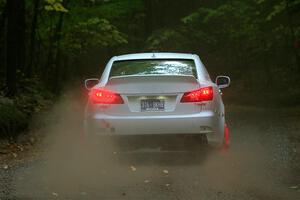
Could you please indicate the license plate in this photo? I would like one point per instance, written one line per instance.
(152, 105)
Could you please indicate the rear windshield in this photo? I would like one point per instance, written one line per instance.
(154, 67)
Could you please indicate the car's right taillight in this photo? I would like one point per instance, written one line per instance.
(101, 96)
(202, 94)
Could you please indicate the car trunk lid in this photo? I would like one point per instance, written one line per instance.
(153, 94)
(152, 84)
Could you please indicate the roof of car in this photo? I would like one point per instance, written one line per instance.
(138, 56)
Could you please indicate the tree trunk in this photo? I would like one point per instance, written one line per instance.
(15, 43)
(150, 17)
(30, 66)
(293, 35)
(3, 18)
(49, 60)
(58, 53)
(54, 55)
(3, 41)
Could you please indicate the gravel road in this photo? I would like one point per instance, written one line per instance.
(262, 163)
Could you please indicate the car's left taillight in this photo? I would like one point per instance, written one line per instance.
(101, 96)
(202, 94)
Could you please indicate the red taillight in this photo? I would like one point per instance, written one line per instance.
(100, 96)
(202, 94)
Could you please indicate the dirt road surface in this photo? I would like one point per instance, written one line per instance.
(262, 163)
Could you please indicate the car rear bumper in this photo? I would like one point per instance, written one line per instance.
(205, 122)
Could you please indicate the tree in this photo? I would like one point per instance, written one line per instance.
(52, 65)
(36, 5)
(15, 42)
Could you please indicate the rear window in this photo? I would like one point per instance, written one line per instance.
(154, 67)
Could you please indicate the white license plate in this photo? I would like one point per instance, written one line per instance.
(152, 105)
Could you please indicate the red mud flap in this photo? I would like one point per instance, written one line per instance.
(226, 142)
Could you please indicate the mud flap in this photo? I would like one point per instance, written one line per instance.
(226, 136)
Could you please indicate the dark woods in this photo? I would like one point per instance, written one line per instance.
(53, 41)
(15, 42)
(46, 44)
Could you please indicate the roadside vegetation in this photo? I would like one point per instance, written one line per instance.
(47, 44)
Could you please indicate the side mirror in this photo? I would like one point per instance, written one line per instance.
(90, 83)
(222, 81)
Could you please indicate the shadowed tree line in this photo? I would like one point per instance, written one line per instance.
(46, 44)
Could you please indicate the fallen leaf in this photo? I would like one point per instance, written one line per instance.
(133, 168)
(21, 148)
(54, 194)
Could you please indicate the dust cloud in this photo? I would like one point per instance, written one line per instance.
(73, 167)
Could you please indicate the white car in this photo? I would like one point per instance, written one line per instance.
(157, 94)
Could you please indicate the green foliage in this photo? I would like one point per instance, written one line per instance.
(277, 9)
(12, 120)
(16, 113)
(2, 3)
(164, 39)
(283, 6)
(233, 25)
(93, 33)
(250, 41)
(55, 5)
(114, 9)
(33, 97)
